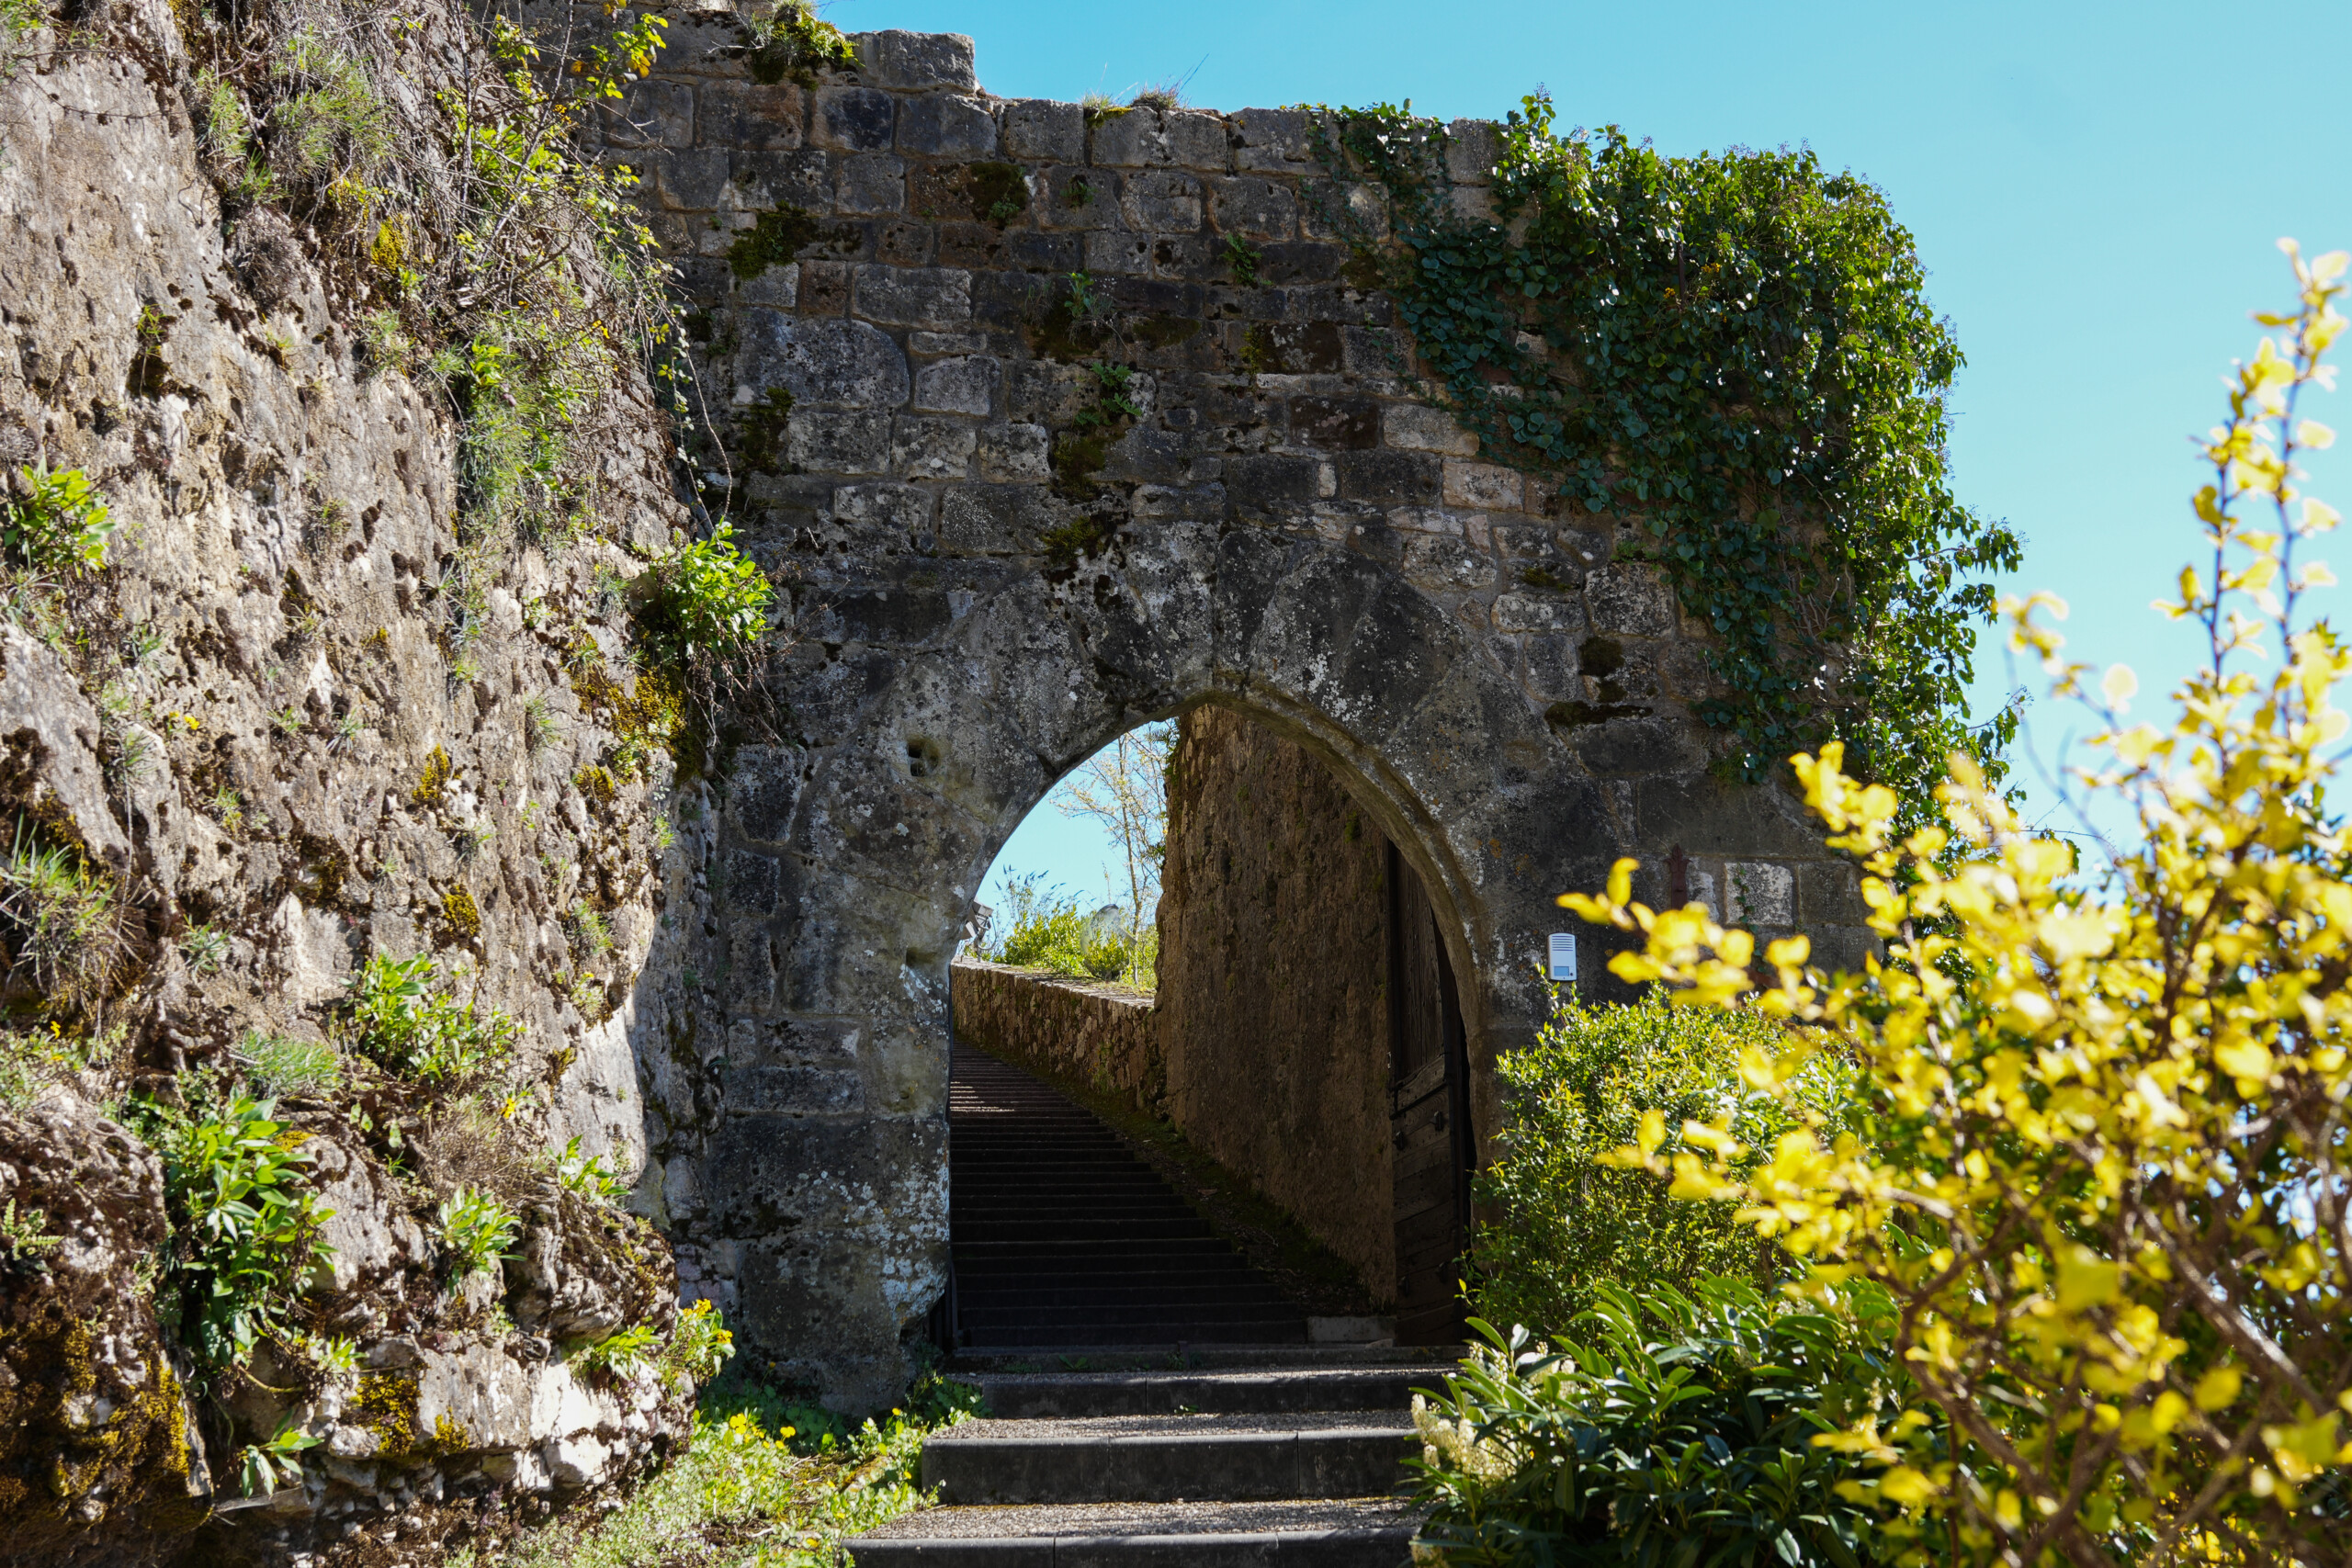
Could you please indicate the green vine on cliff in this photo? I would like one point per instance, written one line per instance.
(1732, 354)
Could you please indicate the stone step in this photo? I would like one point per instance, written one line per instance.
(1161, 1339)
(1429, 1361)
(1018, 1396)
(1353, 1533)
(1165, 1458)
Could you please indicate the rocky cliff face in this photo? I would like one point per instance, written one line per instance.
(298, 720)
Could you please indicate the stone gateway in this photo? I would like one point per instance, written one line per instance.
(1055, 421)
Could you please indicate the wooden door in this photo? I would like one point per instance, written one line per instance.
(1429, 1116)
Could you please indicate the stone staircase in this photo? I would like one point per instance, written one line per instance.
(1214, 1436)
(1063, 1238)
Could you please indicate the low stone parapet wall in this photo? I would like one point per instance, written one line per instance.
(1106, 1034)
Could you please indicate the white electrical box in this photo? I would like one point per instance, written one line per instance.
(1564, 958)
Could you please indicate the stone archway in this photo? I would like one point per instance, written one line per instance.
(1005, 546)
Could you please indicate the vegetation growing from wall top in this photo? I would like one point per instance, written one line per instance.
(1732, 353)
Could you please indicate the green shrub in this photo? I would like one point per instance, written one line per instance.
(704, 600)
(278, 1065)
(623, 1353)
(245, 1226)
(477, 1228)
(62, 526)
(1043, 928)
(1672, 1429)
(1570, 1217)
(412, 1029)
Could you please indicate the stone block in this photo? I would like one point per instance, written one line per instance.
(1272, 142)
(1323, 205)
(871, 185)
(1129, 139)
(1416, 427)
(1013, 452)
(957, 386)
(1257, 208)
(915, 61)
(1192, 258)
(1162, 201)
(1444, 564)
(1636, 747)
(1114, 251)
(1259, 482)
(1195, 138)
(1830, 893)
(1301, 261)
(1056, 254)
(973, 246)
(839, 441)
(653, 114)
(1195, 503)
(901, 510)
(1302, 348)
(1335, 424)
(946, 125)
(1473, 147)
(1388, 479)
(1631, 598)
(1076, 198)
(691, 180)
(935, 298)
(751, 116)
(1485, 486)
(770, 179)
(991, 519)
(1538, 612)
(924, 449)
(778, 286)
(1039, 130)
(824, 363)
(908, 245)
(852, 119)
(1760, 893)
(825, 288)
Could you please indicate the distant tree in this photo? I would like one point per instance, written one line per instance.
(1125, 787)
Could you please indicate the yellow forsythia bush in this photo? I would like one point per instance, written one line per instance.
(2106, 1175)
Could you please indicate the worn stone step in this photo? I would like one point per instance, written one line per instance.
(1431, 1361)
(1351, 1533)
(1033, 1312)
(1164, 1458)
(1161, 1338)
(1048, 1395)
(1114, 1291)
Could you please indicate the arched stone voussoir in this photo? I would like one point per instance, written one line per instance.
(1332, 633)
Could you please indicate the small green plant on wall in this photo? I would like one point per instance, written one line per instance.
(61, 527)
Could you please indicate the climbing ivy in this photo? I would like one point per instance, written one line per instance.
(1730, 352)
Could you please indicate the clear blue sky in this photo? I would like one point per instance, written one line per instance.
(2094, 190)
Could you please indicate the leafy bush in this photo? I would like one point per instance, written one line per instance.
(399, 1020)
(1043, 928)
(245, 1226)
(62, 526)
(32, 1059)
(477, 1228)
(1670, 1429)
(2108, 1178)
(704, 600)
(278, 1064)
(1572, 1217)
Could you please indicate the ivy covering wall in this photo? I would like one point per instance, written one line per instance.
(1733, 355)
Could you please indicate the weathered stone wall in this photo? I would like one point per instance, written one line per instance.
(995, 568)
(254, 723)
(1105, 1035)
(1274, 1002)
